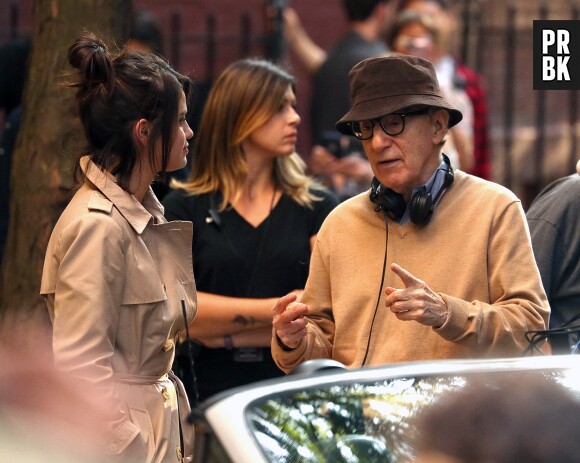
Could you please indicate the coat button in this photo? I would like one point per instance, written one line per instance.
(165, 394)
(178, 452)
(168, 345)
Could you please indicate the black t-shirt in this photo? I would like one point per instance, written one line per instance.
(233, 258)
(330, 94)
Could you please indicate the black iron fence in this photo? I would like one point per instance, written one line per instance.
(246, 40)
(11, 30)
(534, 133)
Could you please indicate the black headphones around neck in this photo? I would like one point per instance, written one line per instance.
(422, 203)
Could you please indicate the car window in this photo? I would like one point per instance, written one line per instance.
(357, 421)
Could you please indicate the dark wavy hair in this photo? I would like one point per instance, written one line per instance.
(114, 91)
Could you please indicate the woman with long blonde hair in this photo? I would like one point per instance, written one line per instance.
(255, 217)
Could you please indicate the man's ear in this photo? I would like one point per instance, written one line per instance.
(141, 131)
(440, 122)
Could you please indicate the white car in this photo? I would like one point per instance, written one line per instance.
(325, 413)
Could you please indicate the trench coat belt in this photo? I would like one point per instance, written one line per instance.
(187, 430)
(138, 379)
(182, 402)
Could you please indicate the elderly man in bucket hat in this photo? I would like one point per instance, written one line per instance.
(432, 263)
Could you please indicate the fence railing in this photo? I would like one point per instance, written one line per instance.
(12, 29)
(501, 52)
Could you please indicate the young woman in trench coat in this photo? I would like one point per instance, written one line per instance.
(117, 276)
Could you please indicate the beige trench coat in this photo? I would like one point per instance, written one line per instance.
(115, 275)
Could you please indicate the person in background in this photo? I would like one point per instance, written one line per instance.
(117, 277)
(455, 74)
(146, 35)
(14, 57)
(554, 221)
(502, 422)
(255, 217)
(13, 64)
(415, 34)
(348, 173)
(431, 263)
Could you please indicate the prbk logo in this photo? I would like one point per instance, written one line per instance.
(556, 55)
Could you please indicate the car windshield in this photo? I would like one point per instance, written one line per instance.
(359, 421)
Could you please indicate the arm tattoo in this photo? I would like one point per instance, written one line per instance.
(246, 321)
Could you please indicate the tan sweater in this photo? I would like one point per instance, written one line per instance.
(475, 253)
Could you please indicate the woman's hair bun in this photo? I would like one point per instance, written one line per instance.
(89, 55)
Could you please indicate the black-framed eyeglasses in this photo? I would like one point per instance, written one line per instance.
(392, 124)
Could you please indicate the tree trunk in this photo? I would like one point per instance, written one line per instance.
(49, 137)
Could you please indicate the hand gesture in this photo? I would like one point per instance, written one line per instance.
(288, 320)
(322, 162)
(355, 167)
(292, 24)
(416, 301)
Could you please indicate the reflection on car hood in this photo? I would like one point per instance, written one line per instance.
(354, 415)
